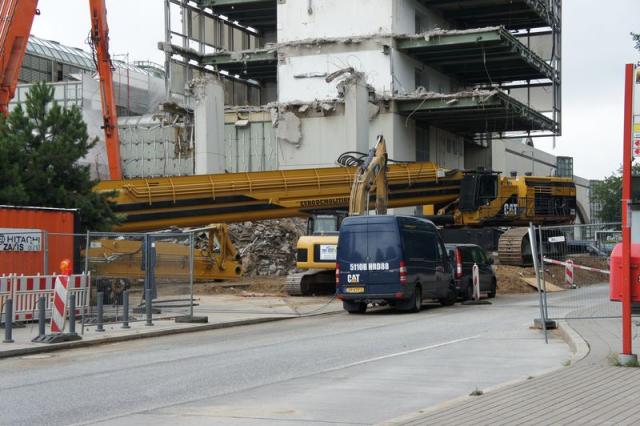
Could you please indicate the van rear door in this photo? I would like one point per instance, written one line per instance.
(384, 252)
(352, 257)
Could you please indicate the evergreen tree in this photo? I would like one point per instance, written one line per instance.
(39, 153)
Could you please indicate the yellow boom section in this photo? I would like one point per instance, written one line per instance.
(156, 203)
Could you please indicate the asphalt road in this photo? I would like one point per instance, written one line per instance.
(337, 369)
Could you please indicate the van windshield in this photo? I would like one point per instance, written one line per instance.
(368, 243)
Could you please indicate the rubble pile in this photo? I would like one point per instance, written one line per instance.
(267, 247)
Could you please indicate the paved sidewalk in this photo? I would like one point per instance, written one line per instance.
(589, 392)
(222, 311)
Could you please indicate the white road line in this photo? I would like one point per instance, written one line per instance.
(379, 358)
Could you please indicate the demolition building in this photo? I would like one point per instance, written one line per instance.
(462, 83)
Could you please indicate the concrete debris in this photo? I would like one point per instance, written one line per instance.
(267, 247)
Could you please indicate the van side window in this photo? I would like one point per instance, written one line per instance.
(441, 250)
(430, 244)
(413, 243)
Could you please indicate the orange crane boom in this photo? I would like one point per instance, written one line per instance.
(16, 19)
(100, 42)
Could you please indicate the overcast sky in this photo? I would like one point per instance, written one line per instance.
(596, 45)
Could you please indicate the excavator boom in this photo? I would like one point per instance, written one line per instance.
(100, 42)
(158, 203)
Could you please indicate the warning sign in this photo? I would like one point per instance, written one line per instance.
(15, 239)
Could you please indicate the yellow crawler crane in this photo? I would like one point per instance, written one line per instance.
(470, 202)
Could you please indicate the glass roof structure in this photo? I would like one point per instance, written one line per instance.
(71, 55)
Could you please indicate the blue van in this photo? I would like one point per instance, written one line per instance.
(400, 260)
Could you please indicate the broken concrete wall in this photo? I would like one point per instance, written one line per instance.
(303, 68)
(297, 19)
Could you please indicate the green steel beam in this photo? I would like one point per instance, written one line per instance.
(447, 39)
(475, 113)
(214, 3)
(478, 54)
(248, 57)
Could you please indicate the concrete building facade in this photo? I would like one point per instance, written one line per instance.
(460, 83)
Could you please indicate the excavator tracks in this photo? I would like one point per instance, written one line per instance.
(514, 248)
(310, 283)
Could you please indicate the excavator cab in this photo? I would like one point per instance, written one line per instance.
(478, 189)
(326, 223)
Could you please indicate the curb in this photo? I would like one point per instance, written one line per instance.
(116, 339)
(577, 344)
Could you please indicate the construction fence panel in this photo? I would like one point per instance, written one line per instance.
(160, 262)
(26, 290)
(573, 270)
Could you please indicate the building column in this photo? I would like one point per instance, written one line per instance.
(208, 110)
(356, 112)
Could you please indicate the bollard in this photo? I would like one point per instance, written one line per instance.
(72, 314)
(41, 316)
(125, 309)
(99, 326)
(8, 321)
(148, 302)
(475, 276)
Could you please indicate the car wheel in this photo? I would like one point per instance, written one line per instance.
(494, 287)
(416, 306)
(354, 307)
(451, 297)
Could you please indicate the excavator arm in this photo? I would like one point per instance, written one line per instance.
(371, 173)
(100, 43)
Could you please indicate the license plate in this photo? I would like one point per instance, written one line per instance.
(355, 289)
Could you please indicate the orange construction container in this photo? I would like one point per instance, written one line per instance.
(34, 240)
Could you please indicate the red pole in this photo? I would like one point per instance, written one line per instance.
(626, 213)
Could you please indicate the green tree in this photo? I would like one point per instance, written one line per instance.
(39, 153)
(636, 39)
(608, 192)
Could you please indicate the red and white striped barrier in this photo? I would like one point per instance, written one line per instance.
(475, 277)
(5, 293)
(568, 274)
(26, 290)
(59, 309)
(584, 268)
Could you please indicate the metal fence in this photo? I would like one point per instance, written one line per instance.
(572, 270)
(162, 263)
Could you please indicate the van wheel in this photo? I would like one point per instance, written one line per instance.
(451, 298)
(492, 293)
(354, 307)
(417, 300)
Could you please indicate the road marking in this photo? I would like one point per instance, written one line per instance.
(379, 358)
